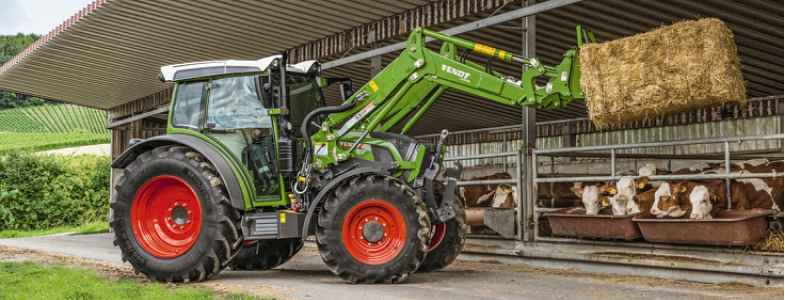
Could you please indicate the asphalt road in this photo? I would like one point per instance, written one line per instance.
(306, 277)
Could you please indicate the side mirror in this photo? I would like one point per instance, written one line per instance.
(346, 90)
(264, 90)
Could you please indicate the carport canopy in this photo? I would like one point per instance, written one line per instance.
(109, 53)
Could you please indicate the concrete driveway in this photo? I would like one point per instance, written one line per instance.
(306, 277)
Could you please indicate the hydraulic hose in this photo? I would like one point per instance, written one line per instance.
(313, 114)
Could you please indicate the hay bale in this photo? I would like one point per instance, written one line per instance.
(686, 66)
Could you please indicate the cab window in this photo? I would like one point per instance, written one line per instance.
(188, 105)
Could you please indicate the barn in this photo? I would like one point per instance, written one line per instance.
(108, 54)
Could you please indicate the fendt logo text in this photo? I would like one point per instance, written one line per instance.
(461, 74)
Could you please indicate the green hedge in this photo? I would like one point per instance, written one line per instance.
(39, 191)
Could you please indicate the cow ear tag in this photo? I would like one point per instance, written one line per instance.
(612, 192)
(683, 189)
(715, 197)
(605, 203)
(641, 185)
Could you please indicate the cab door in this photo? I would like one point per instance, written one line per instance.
(237, 120)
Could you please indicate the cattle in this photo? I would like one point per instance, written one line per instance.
(747, 193)
(707, 197)
(645, 200)
(591, 199)
(490, 195)
(623, 202)
(505, 196)
(482, 195)
(560, 190)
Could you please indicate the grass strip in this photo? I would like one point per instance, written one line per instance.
(89, 228)
(27, 280)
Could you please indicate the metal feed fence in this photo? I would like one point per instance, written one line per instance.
(585, 151)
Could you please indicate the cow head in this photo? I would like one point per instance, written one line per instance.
(620, 203)
(701, 203)
(641, 182)
(626, 185)
(590, 196)
(504, 188)
(679, 188)
(607, 189)
(669, 206)
(663, 190)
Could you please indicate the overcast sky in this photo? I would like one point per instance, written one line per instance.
(36, 16)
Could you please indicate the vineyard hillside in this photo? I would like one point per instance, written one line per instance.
(62, 118)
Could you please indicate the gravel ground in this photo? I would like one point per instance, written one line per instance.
(306, 277)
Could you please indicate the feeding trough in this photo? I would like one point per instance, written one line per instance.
(732, 228)
(574, 221)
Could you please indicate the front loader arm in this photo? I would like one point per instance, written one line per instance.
(416, 79)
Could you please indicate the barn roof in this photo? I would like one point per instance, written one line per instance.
(110, 53)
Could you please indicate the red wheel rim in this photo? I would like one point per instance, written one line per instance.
(374, 252)
(437, 235)
(166, 216)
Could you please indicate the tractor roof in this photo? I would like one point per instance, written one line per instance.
(224, 67)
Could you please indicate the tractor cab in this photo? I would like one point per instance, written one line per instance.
(233, 104)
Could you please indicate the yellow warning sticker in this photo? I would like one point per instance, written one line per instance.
(484, 49)
(373, 86)
(283, 218)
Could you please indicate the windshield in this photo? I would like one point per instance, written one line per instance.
(233, 105)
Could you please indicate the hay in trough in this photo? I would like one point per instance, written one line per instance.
(686, 66)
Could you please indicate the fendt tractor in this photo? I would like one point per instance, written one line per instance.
(253, 162)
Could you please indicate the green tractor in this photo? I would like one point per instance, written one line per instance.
(253, 162)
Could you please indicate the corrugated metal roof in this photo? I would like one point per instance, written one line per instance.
(110, 52)
(111, 55)
(757, 26)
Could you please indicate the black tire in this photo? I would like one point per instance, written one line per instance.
(218, 239)
(390, 194)
(454, 238)
(271, 253)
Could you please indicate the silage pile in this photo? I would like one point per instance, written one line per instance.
(686, 66)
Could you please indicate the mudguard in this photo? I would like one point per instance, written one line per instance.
(381, 170)
(211, 152)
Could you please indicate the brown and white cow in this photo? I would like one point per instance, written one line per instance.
(506, 196)
(488, 194)
(746, 193)
(591, 199)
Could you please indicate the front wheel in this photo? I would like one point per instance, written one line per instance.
(172, 217)
(373, 229)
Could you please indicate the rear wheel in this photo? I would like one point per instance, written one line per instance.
(373, 229)
(447, 238)
(265, 254)
(172, 217)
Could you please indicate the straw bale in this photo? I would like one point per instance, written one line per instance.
(682, 67)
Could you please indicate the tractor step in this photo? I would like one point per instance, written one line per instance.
(274, 225)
